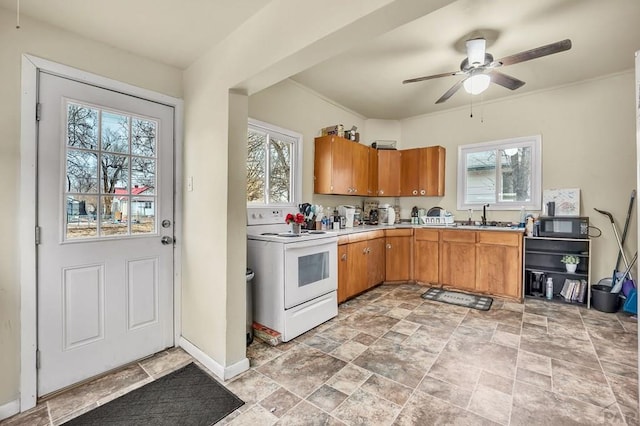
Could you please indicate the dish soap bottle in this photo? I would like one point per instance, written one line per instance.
(549, 288)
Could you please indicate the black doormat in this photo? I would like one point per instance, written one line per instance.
(188, 396)
(482, 303)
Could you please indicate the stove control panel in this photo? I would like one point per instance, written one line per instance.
(268, 215)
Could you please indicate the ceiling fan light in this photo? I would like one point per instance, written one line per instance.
(477, 83)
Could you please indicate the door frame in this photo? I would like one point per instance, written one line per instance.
(31, 65)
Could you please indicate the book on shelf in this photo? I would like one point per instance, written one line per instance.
(574, 290)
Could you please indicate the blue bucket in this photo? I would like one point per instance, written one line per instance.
(631, 305)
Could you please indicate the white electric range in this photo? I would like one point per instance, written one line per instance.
(296, 276)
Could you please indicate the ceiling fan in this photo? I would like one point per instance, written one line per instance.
(479, 68)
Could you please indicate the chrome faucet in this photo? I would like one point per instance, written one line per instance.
(484, 214)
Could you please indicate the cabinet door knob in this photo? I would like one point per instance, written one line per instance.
(422, 192)
(343, 257)
(364, 250)
(381, 192)
(388, 245)
(415, 192)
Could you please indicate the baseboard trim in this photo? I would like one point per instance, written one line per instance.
(9, 409)
(223, 373)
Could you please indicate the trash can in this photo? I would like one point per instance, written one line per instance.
(250, 276)
(603, 300)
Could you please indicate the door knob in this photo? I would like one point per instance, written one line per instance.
(166, 240)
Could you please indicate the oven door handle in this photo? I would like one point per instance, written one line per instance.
(311, 243)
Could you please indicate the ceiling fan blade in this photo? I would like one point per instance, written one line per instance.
(538, 52)
(429, 77)
(450, 92)
(505, 80)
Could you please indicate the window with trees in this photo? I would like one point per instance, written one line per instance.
(274, 175)
(111, 165)
(506, 174)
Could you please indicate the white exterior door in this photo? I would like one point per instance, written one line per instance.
(105, 215)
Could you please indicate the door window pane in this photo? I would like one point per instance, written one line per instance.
(143, 175)
(82, 126)
(115, 132)
(143, 139)
(82, 171)
(81, 217)
(143, 215)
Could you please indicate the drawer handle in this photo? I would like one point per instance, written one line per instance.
(343, 257)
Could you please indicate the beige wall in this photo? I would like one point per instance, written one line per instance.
(588, 142)
(66, 48)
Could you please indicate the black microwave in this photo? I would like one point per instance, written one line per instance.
(563, 227)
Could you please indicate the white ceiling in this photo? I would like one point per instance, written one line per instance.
(173, 32)
(368, 79)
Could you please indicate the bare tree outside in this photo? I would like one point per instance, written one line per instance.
(269, 161)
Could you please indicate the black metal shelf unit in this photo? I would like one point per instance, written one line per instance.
(542, 257)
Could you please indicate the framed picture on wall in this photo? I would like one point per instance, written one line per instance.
(567, 201)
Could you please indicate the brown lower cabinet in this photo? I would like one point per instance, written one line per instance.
(361, 263)
(459, 259)
(426, 256)
(398, 254)
(477, 261)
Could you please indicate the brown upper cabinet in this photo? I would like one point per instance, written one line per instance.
(344, 167)
(341, 167)
(389, 162)
(422, 172)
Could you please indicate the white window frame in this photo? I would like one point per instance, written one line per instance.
(296, 157)
(534, 142)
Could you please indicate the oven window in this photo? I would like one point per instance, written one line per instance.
(313, 268)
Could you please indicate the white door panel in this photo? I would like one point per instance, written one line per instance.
(105, 185)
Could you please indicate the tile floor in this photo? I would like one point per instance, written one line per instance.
(392, 358)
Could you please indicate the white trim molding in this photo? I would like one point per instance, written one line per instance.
(9, 409)
(223, 373)
(31, 65)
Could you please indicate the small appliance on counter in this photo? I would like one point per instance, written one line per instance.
(348, 212)
(386, 214)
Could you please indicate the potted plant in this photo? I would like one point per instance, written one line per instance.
(295, 221)
(570, 262)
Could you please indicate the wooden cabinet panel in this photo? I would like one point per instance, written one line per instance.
(410, 172)
(341, 165)
(322, 175)
(372, 187)
(398, 258)
(375, 262)
(432, 162)
(357, 268)
(426, 265)
(459, 264)
(497, 272)
(389, 162)
(343, 273)
(459, 236)
(500, 237)
(359, 168)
